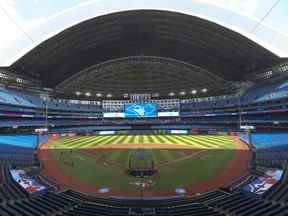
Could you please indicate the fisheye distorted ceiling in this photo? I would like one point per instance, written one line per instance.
(197, 42)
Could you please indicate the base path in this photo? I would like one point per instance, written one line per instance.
(237, 167)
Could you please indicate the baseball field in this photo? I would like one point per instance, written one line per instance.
(100, 164)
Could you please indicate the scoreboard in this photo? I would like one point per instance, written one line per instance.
(141, 110)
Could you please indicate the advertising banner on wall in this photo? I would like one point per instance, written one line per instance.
(26, 182)
(179, 131)
(114, 115)
(263, 183)
(107, 132)
(168, 114)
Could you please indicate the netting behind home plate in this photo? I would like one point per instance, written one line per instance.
(141, 164)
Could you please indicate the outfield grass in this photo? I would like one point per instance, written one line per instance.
(177, 167)
(202, 142)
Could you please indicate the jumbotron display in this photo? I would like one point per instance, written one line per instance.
(141, 110)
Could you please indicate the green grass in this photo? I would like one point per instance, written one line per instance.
(183, 169)
(208, 142)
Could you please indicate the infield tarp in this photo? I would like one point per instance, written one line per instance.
(27, 183)
(263, 183)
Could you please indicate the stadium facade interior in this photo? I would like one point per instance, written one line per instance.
(144, 112)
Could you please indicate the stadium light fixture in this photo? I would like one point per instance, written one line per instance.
(88, 94)
(109, 95)
(204, 90)
(99, 95)
(194, 91)
(78, 93)
(182, 93)
(171, 94)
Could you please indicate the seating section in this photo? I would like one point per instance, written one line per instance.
(9, 190)
(178, 206)
(264, 92)
(213, 203)
(24, 109)
(18, 149)
(29, 100)
(266, 140)
(271, 149)
(25, 141)
(274, 156)
(8, 97)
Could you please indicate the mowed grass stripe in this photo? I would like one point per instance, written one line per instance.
(82, 139)
(187, 141)
(222, 137)
(193, 142)
(131, 139)
(124, 140)
(141, 139)
(212, 143)
(113, 141)
(65, 140)
(83, 142)
(173, 140)
(204, 140)
(108, 141)
(95, 142)
(146, 139)
(153, 139)
(227, 141)
(121, 140)
(68, 140)
(213, 136)
(136, 139)
(162, 139)
(224, 145)
(220, 142)
(118, 140)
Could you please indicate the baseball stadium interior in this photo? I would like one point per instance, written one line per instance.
(144, 112)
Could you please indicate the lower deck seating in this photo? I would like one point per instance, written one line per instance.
(241, 204)
(48, 204)
(262, 141)
(9, 190)
(214, 203)
(180, 206)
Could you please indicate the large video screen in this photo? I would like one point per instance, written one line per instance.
(147, 110)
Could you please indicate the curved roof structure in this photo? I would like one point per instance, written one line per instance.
(142, 74)
(29, 38)
(82, 39)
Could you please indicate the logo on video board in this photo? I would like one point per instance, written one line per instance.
(140, 110)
